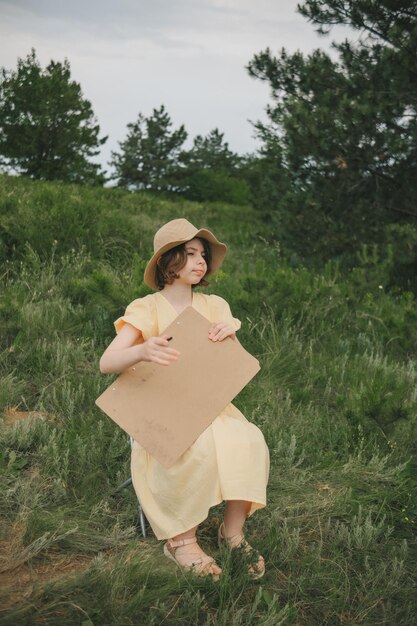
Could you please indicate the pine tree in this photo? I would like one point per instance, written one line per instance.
(343, 130)
(47, 128)
(149, 157)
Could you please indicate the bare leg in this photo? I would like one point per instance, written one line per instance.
(235, 515)
(231, 531)
(187, 535)
(187, 554)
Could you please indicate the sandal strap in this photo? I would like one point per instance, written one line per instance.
(235, 540)
(238, 541)
(201, 561)
(198, 565)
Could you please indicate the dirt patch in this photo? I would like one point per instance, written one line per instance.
(18, 583)
(11, 416)
(18, 576)
(20, 570)
(325, 487)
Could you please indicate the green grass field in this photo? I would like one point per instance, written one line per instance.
(336, 399)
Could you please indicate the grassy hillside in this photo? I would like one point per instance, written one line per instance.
(336, 399)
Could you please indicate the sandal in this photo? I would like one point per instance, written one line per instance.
(199, 566)
(255, 569)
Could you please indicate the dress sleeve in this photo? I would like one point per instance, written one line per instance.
(220, 312)
(141, 313)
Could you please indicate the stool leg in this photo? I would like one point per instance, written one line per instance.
(142, 521)
(123, 485)
(141, 516)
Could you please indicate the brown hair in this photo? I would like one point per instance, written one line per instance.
(174, 260)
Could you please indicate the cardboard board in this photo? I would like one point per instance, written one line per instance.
(166, 408)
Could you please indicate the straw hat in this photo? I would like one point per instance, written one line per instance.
(173, 234)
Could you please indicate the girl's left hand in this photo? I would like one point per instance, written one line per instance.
(220, 330)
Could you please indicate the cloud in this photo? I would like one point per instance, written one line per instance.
(134, 55)
(171, 24)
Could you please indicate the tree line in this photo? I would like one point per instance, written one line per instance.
(48, 131)
(337, 166)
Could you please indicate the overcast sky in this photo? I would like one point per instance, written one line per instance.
(131, 56)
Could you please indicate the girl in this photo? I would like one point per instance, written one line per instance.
(230, 460)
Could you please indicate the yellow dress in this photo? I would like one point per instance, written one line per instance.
(228, 461)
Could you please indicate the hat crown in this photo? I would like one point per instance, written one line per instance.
(174, 233)
(175, 230)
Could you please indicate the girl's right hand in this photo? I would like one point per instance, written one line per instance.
(157, 350)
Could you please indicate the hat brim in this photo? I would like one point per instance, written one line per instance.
(218, 252)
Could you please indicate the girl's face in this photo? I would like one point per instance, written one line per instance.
(196, 266)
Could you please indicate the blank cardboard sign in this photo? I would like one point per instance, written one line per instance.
(165, 408)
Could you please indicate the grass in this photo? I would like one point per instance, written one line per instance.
(336, 399)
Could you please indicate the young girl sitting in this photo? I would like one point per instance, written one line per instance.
(229, 460)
